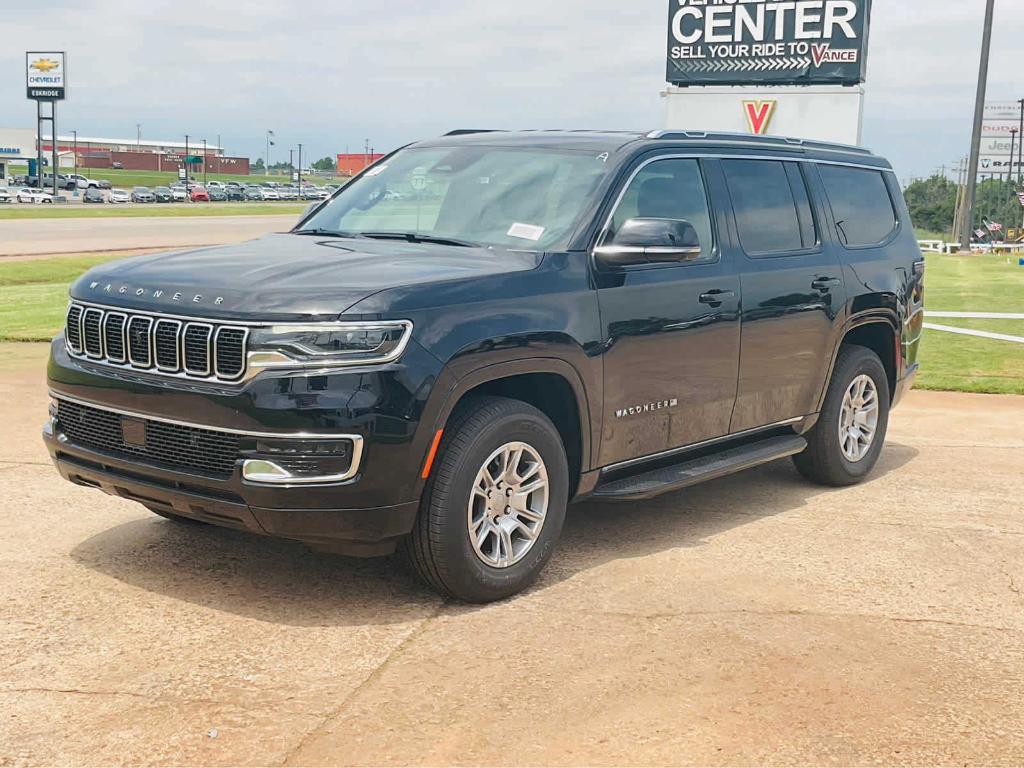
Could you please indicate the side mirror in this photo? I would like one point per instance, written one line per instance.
(650, 241)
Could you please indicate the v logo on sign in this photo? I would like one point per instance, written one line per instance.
(759, 115)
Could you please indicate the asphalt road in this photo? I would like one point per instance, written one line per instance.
(29, 237)
(755, 619)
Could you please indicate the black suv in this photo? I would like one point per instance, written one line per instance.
(482, 328)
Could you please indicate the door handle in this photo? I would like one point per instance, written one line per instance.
(825, 284)
(716, 297)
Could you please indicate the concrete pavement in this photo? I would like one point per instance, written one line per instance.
(42, 237)
(755, 619)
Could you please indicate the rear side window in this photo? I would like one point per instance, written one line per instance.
(773, 212)
(861, 204)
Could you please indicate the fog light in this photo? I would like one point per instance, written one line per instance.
(303, 461)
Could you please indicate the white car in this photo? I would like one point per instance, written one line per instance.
(266, 193)
(82, 182)
(5, 196)
(29, 195)
(179, 193)
(119, 196)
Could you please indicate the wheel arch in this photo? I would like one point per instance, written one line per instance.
(551, 385)
(879, 332)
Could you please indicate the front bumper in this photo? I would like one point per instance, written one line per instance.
(360, 512)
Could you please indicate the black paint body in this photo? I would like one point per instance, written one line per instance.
(618, 339)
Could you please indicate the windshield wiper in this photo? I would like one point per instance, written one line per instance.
(415, 237)
(320, 232)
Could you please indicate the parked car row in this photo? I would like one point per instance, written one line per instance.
(214, 191)
(64, 181)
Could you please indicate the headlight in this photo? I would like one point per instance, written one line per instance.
(328, 345)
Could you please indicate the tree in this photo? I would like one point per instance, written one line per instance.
(258, 165)
(932, 203)
(324, 164)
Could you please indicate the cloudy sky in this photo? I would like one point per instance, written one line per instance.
(331, 74)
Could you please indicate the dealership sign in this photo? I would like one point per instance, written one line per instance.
(764, 42)
(45, 75)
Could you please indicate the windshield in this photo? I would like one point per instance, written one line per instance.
(492, 196)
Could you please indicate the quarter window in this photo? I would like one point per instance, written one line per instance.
(669, 189)
(773, 211)
(861, 204)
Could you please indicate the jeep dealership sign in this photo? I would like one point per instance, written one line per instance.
(45, 76)
(767, 42)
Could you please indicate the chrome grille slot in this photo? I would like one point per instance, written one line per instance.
(91, 338)
(195, 348)
(113, 336)
(229, 352)
(170, 346)
(140, 345)
(73, 328)
(165, 344)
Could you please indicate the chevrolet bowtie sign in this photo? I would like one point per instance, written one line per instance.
(767, 42)
(45, 75)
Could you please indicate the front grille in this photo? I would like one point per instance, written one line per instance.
(198, 350)
(173, 446)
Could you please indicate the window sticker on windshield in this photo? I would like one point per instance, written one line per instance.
(526, 231)
(375, 170)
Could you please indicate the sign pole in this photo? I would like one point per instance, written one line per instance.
(54, 146)
(979, 115)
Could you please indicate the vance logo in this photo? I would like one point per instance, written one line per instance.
(824, 53)
(759, 115)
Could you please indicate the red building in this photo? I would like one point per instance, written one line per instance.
(350, 165)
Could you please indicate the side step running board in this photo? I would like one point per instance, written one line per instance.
(647, 485)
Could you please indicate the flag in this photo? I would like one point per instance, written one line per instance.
(979, 232)
(994, 226)
(1020, 196)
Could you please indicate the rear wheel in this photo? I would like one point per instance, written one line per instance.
(844, 445)
(495, 503)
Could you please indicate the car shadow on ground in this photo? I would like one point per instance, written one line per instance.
(285, 583)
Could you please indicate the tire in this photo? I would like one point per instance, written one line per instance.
(825, 461)
(440, 548)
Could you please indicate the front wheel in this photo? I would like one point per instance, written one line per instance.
(843, 447)
(494, 506)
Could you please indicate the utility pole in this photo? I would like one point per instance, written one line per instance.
(1013, 144)
(75, 150)
(1020, 146)
(979, 114)
(184, 164)
(366, 154)
(138, 137)
(204, 162)
(300, 169)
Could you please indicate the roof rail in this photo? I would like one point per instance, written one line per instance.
(466, 131)
(764, 141)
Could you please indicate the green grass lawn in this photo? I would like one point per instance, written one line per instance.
(33, 297)
(975, 283)
(152, 210)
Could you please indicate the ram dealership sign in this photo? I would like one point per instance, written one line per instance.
(45, 75)
(767, 42)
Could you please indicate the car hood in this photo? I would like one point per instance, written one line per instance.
(285, 276)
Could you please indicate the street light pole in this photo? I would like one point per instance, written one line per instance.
(75, 150)
(979, 114)
(300, 169)
(204, 162)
